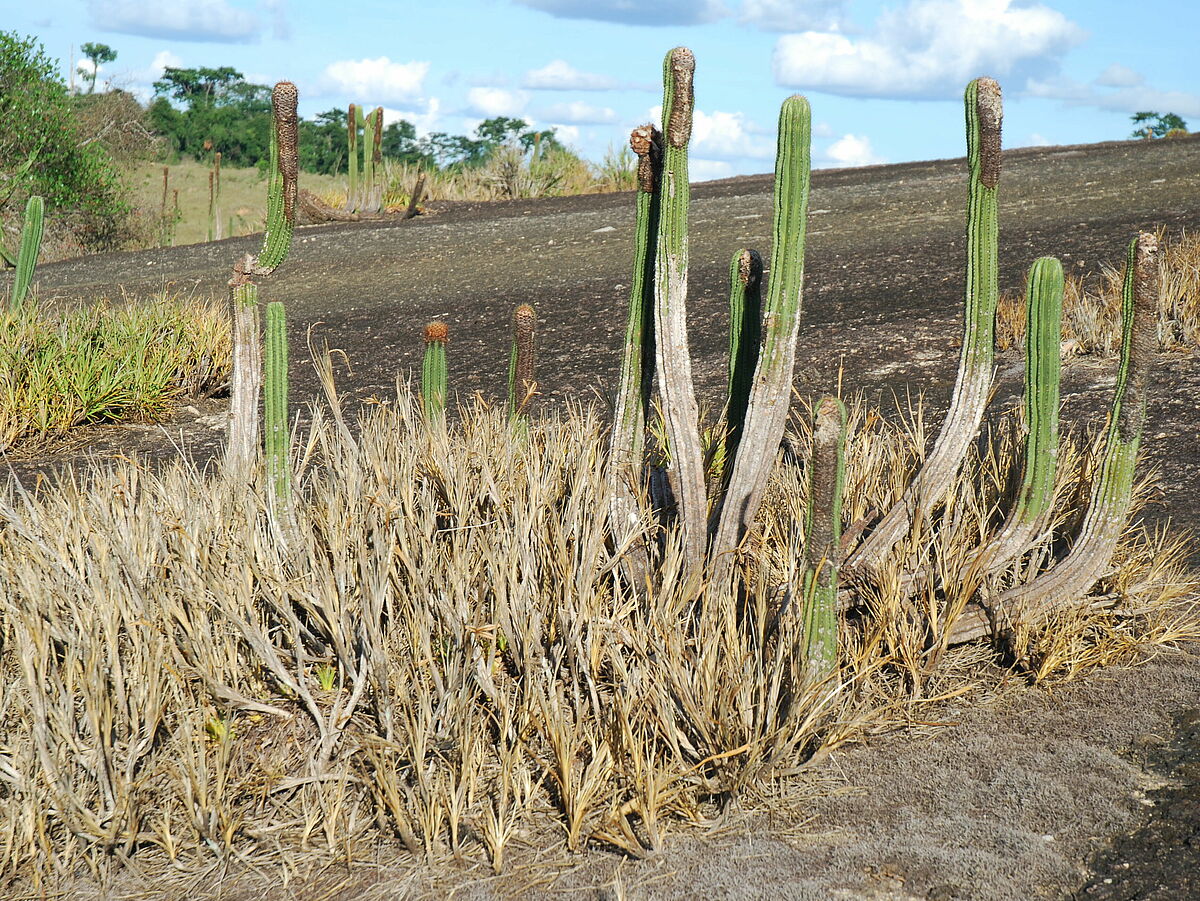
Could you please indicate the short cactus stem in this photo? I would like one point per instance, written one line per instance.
(352, 157)
(745, 336)
(521, 384)
(31, 246)
(276, 435)
(972, 387)
(246, 375)
(822, 537)
(433, 371)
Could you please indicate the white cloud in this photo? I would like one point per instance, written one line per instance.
(634, 12)
(929, 49)
(580, 113)
(490, 102)
(707, 170)
(1036, 140)
(823, 130)
(852, 150)
(567, 134)
(376, 80)
(559, 75)
(180, 20)
(281, 28)
(794, 15)
(721, 135)
(424, 122)
(1118, 76)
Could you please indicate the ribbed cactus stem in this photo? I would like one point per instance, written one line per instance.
(216, 205)
(822, 538)
(520, 363)
(984, 113)
(352, 156)
(771, 392)
(1091, 554)
(31, 246)
(377, 174)
(283, 185)
(1043, 338)
(276, 436)
(433, 370)
(674, 360)
(245, 376)
(745, 337)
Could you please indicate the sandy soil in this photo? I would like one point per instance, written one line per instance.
(1032, 795)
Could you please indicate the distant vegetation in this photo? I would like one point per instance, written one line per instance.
(1158, 125)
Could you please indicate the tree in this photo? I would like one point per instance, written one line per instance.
(99, 54)
(1157, 125)
(221, 111)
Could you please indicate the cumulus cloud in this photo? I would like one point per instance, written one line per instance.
(491, 102)
(633, 12)
(707, 170)
(726, 136)
(1117, 89)
(794, 15)
(380, 79)
(424, 121)
(560, 75)
(567, 134)
(579, 113)
(180, 20)
(929, 49)
(852, 150)
(1118, 76)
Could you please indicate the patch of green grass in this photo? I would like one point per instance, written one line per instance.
(243, 200)
(60, 368)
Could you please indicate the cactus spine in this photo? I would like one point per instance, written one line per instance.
(433, 370)
(276, 436)
(246, 376)
(520, 363)
(822, 537)
(770, 395)
(31, 246)
(984, 113)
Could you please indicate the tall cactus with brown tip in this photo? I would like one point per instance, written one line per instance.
(984, 113)
(352, 126)
(246, 375)
(433, 371)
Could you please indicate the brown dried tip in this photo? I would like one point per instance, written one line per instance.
(283, 100)
(750, 268)
(646, 142)
(989, 107)
(524, 315)
(437, 331)
(1144, 337)
(683, 67)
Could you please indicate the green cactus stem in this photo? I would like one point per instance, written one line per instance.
(276, 436)
(822, 538)
(352, 156)
(628, 439)
(31, 246)
(373, 161)
(433, 371)
(770, 395)
(673, 357)
(1069, 581)
(984, 113)
(246, 375)
(745, 338)
(1043, 338)
(521, 384)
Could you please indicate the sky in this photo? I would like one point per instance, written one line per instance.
(885, 79)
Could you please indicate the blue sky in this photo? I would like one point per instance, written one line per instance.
(884, 78)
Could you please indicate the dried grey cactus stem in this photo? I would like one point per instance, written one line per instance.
(246, 377)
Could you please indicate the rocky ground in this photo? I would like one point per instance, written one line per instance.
(1091, 789)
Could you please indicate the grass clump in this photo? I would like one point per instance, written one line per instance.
(1091, 320)
(444, 661)
(61, 368)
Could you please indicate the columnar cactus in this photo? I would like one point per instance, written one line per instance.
(520, 363)
(984, 113)
(433, 370)
(352, 156)
(246, 377)
(627, 444)
(31, 246)
(822, 539)
(276, 435)
(214, 199)
(745, 336)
